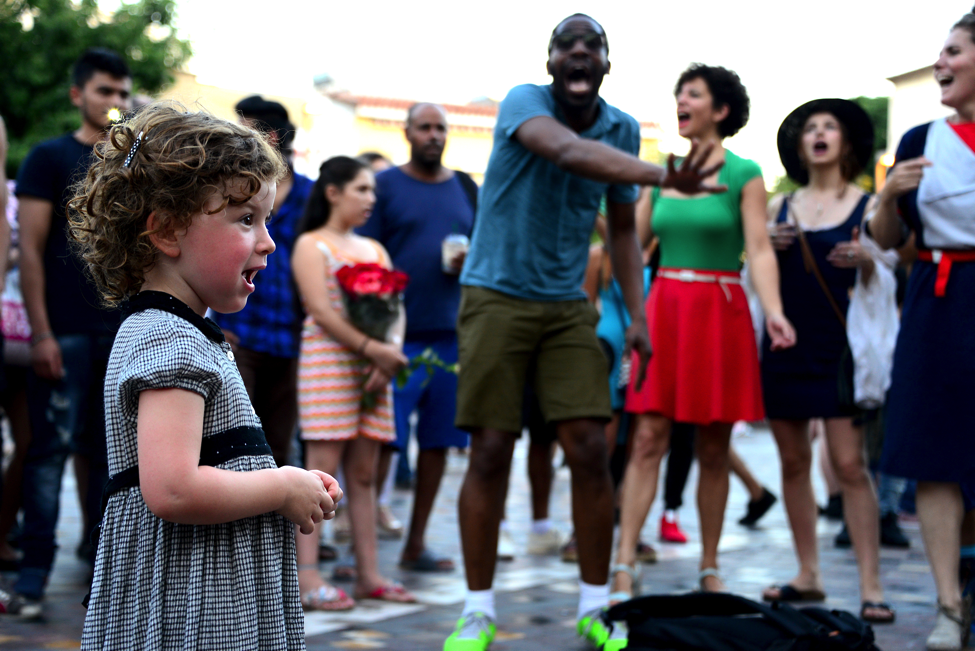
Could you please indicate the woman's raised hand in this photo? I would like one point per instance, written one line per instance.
(306, 498)
(388, 358)
(690, 176)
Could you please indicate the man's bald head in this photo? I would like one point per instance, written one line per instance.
(413, 110)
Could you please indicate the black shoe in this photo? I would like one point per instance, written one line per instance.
(834, 508)
(891, 534)
(758, 508)
(842, 539)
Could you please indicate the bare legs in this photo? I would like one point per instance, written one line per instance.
(481, 501)
(540, 477)
(584, 445)
(430, 466)
(848, 459)
(650, 441)
(795, 453)
(359, 457)
(940, 511)
(712, 494)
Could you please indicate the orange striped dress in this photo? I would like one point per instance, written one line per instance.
(331, 376)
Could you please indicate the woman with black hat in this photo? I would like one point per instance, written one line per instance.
(824, 145)
(931, 191)
(704, 369)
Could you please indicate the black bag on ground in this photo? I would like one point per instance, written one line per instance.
(725, 622)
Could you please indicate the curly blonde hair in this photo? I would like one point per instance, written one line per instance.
(182, 157)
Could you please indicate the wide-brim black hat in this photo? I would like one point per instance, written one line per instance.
(856, 122)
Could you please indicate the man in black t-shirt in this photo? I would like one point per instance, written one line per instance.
(71, 334)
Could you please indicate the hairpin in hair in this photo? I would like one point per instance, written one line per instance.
(135, 148)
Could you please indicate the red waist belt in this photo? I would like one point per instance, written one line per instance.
(944, 260)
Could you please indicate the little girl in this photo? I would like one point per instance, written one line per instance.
(196, 550)
(338, 363)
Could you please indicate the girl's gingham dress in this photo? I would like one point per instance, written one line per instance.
(160, 585)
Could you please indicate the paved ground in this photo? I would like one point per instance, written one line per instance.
(537, 596)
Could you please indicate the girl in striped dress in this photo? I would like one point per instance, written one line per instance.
(338, 365)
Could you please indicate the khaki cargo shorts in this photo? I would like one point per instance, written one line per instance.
(503, 340)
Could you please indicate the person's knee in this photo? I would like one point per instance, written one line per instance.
(490, 458)
(361, 476)
(586, 455)
(712, 456)
(850, 470)
(796, 463)
(649, 445)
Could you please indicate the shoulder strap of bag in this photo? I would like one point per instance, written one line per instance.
(470, 187)
(809, 261)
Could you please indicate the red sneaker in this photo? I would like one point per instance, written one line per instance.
(670, 530)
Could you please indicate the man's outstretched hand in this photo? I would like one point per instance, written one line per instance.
(689, 177)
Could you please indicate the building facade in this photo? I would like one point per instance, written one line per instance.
(331, 123)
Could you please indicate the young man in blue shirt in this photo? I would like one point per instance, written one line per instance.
(557, 150)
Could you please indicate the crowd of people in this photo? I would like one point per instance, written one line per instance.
(195, 349)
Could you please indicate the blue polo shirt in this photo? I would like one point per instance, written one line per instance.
(534, 221)
(271, 321)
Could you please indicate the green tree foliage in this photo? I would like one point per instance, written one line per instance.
(783, 185)
(40, 41)
(876, 108)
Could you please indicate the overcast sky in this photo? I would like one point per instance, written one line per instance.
(785, 52)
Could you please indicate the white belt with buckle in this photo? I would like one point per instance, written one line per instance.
(691, 276)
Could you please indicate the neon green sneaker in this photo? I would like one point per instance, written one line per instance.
(602, 635)
(474, 632)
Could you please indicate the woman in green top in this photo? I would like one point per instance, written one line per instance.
(704, 369)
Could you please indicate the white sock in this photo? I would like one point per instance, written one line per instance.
(541, 526)
(504, 526)
(480, 601)
(592, 597)
(670, 516)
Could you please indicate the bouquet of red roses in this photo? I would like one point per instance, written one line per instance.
(371, 294)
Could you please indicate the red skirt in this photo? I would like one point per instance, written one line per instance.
(704, 367)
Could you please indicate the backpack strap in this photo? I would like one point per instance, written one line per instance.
(470, 188)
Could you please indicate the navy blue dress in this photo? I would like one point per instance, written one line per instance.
(804, 381)
(929, 431)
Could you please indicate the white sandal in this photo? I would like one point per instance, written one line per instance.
(634, 574)
(948, 633)
(705, 573)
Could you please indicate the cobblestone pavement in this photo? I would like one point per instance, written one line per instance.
(537, 596)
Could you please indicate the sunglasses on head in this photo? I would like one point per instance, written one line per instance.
(566, 40)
